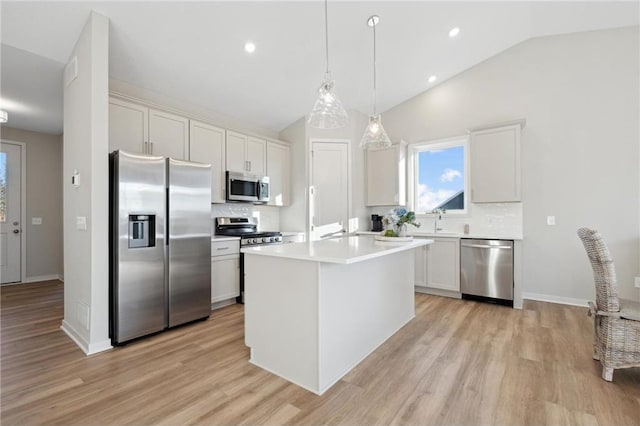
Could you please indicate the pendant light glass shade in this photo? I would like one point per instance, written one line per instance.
(374, 135)
(328, 111)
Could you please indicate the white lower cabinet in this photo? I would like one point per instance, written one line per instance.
(225, 270)
(421, 267)
(437, 266)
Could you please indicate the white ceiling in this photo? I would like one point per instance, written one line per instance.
(193, 51)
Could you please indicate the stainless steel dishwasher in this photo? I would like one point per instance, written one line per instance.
(486, 270)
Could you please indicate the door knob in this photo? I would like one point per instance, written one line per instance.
(16, 231)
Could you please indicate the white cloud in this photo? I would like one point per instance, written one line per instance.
(429, 199)
(449, 175)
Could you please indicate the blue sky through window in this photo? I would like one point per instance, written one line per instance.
(440, 176)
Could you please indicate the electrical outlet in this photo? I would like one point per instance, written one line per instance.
(551, 220)
(637, 282)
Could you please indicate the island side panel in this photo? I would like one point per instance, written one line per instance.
(361, 305)
(281, 317)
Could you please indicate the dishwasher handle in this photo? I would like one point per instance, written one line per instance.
(486, 246)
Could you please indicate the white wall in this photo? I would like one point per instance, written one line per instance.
(85, 149)
(44, 200)
(300, 135)
(294, 216)
(580, 149)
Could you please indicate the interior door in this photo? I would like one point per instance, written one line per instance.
(329, 189)
(10, 212)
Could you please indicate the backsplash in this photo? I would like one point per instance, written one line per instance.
(492, 219)
(268, 217)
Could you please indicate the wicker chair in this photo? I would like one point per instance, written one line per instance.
(616, 321)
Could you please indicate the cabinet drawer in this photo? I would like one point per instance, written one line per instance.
(222, 248)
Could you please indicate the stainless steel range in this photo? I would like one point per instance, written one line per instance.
(247, 229)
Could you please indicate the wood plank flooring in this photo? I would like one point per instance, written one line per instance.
(457, 362)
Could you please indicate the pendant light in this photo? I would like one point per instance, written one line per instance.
(328, 112)
(374, 135)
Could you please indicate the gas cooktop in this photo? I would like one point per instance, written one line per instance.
(247, 229)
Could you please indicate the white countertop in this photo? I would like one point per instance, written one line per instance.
(291, 233)
(224, 238)
(453, 235)
(343, 250)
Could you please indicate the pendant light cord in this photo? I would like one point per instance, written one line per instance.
(374, 68)
(326, 34)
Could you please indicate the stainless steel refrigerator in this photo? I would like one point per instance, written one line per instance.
(160, 247)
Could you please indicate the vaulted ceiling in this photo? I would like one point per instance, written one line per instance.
(194, 51)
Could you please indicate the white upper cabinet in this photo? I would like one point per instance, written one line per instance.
(168, 135)
(257, 156)
(128, 126)
(495, 163)
(278, 171)
(386, 176)
(207, 145)
(236, 152)
(246, 154)
(136, 128)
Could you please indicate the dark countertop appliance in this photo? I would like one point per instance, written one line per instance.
(247, 229)
(376, 222)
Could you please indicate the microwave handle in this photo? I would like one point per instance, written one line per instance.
(258, 188)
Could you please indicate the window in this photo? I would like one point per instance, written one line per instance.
(439, 176)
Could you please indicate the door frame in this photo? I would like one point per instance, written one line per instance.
(310, 175)
(23, 207)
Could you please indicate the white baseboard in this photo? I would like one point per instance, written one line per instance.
(555, 299)
(98, 347)
(38, 278)
(75, 336)
(86, 347)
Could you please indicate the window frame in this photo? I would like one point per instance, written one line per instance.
(412, 175)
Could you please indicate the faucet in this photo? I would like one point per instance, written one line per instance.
(438, 212)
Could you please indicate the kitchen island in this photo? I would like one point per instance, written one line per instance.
(314, 310)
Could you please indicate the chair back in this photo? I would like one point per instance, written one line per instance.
(604, 272)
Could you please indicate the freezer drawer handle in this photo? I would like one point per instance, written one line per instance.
(486, 246)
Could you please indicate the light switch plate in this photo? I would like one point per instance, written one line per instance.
(36, 221)
(551, 220)
(81, 223)
(637, 282)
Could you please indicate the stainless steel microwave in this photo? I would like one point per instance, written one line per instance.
(248, 188)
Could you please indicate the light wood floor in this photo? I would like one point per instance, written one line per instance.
(457, 362)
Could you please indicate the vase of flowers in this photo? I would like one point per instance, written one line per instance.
(396, 222)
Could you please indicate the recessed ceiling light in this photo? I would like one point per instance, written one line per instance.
(432, 79)
(249, 47)
(454, 32)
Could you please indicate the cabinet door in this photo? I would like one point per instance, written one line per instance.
(421, 266)
(256, 156)
(225, 277)
(236, 155)
(207, 145)
(168, 135)
(278, 165)
(443, 264)
(495, 165)
(386, 176)
(128, 124)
